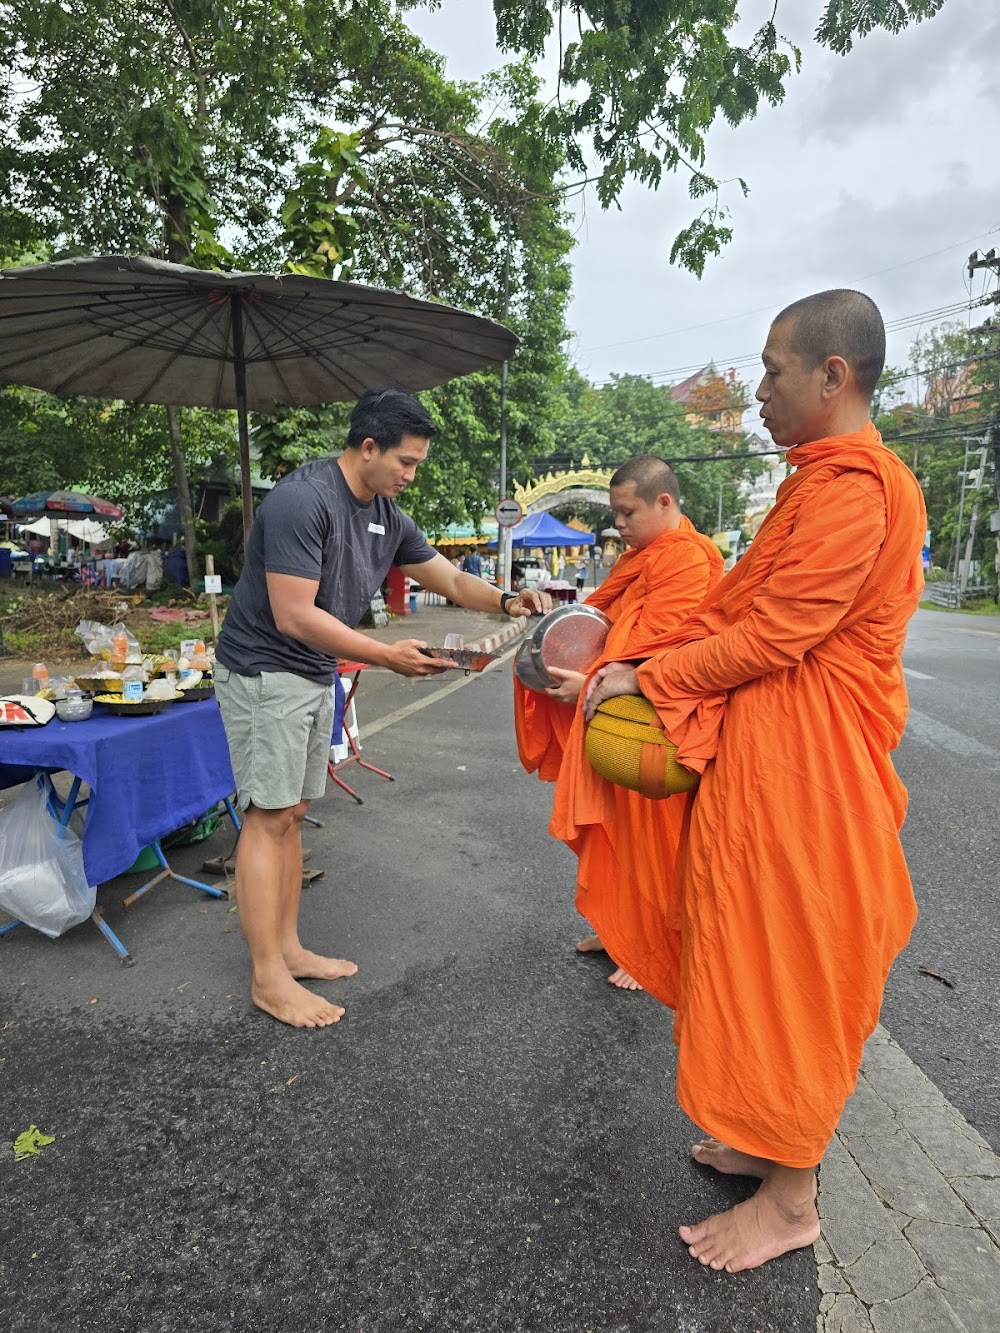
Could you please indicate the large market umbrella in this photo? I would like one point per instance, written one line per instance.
(148, 331)
(61, 502)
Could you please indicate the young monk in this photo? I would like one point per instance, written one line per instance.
(785, 691)
(664, 575)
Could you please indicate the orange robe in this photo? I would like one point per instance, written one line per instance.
(634, 842)
(792, 894)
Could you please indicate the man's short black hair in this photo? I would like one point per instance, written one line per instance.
(385, 416)
(651, 477)
(840, 322)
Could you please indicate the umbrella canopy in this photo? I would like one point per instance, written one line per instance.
(62, 502)
(83, 529)
(149, 331)
(542, 529)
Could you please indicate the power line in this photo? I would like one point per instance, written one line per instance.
(763, 310)
(747, 359)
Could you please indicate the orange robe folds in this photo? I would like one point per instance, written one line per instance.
(626, 851)
(792, 894)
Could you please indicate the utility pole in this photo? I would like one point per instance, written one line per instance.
(503, 534)
(991, 261)
(957, 567)
(973, 523)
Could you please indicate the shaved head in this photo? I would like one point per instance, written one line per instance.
(840, 323)
(651, 477)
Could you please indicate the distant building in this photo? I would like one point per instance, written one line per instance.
(950, 394)
(711, 400)
(763, 490)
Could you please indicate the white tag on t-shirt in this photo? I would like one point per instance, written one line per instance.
(376, 527)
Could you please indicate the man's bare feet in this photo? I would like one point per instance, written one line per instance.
(711, 1152)
(776, 1220)
(620, 978)
(304, 963)
(591, 944)
(291, 1003)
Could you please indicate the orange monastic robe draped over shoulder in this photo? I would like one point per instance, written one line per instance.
(634, 841)
(786, 691)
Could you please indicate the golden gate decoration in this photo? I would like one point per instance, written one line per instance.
(589, 483)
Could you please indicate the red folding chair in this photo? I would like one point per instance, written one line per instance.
(352, 670)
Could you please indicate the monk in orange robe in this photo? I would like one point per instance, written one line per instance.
(664, 575)
(786, 692)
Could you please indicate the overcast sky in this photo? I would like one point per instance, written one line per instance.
(878, 171)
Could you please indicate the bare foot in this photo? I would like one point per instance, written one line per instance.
(750, 1234)
(303, 963)
(291, 1003)
(592, 944)
(620, 978)
(710, 1152)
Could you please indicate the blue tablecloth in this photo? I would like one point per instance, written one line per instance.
(147, 775)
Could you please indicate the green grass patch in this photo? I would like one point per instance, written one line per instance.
(986, 607)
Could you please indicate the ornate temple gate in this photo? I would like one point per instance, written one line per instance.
(585, 484)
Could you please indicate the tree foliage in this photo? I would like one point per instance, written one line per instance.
(631, 416)
(955, 372)
(323, 139)
(642, 81)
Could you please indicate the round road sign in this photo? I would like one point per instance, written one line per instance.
(509, 513)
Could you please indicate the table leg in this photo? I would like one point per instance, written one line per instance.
(168, 873)
(97, 916)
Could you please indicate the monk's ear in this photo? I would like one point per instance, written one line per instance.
(837, 375)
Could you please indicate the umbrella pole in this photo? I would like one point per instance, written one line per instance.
(240, 373)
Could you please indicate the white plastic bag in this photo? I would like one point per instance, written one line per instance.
(42, 879)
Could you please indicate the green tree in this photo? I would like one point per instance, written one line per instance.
(324, 138)
(640, 82)
(630, 416)
(954, 372)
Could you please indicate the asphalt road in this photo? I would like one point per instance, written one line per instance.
(488, 1140)
(950, 761)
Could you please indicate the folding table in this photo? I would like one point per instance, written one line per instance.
(147, 776)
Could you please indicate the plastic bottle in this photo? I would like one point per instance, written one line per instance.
(119, 648)
(40, 675)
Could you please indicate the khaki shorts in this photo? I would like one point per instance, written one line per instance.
(279, 729)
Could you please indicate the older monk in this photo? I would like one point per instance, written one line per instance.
(662, 577)
(786, 692)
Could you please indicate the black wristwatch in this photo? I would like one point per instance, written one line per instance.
(505, 599)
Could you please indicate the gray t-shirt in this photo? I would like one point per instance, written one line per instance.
(313, 526)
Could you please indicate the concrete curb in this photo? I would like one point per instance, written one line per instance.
(491, 642)
(909, 1204)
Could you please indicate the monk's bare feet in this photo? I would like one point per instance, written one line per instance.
(779, 1218)
(592, 944)
(304, 963)
(711, 1152)
(620, 978)
(288, 1002)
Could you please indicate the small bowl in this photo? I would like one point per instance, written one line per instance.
(74, 710)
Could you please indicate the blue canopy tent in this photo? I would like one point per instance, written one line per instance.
(541, 529)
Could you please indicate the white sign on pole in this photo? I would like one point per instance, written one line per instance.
(509, 513)
(213, 583)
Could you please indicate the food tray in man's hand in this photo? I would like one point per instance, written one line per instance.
(114, 703)
(196, 692)
(471, 659)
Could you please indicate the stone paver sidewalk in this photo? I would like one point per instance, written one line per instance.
(910, 1209)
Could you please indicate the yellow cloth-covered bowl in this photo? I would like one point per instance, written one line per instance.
(627, 746)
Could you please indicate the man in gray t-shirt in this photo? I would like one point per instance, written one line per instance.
(321, 545)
